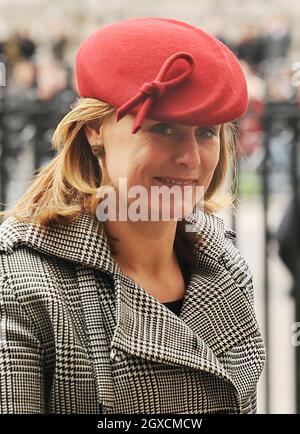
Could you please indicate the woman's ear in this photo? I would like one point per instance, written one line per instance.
(93, 132)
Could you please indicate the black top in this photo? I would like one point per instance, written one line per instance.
(174, 306)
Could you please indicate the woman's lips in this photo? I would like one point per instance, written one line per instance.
(181, 182)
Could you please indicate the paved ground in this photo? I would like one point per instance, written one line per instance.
(280, 351)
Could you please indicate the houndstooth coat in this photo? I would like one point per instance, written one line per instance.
(78, 336)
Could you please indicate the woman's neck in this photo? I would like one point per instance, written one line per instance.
(144, 246)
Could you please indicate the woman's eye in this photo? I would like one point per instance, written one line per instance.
(163, 129)
(207, 133)
(168, 130)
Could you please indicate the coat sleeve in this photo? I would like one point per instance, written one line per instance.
(21, 368)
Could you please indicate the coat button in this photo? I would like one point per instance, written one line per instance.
(113, 354)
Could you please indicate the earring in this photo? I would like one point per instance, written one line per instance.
(99, 150)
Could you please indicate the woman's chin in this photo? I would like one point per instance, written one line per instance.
(178, 211)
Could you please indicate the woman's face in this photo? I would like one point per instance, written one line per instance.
(161, 154)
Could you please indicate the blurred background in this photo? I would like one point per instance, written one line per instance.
(38, 41)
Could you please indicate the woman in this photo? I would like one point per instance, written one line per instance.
(102, 313)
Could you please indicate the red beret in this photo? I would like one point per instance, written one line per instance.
(163, 69)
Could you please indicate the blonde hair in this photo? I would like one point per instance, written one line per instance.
(67, 186)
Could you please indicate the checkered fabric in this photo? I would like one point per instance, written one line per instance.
(78, 336)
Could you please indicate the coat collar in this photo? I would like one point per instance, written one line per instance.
(85, 241)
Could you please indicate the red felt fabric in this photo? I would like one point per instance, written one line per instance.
(119, 63)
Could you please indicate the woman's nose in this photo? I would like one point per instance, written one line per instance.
(188, 153)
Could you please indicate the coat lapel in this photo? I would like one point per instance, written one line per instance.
(217, 310)
(96, 330)
(215, 317)
(146, 328)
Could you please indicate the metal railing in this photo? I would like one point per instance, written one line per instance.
(26, 127)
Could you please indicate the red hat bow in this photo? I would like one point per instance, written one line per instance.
(156, 88)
